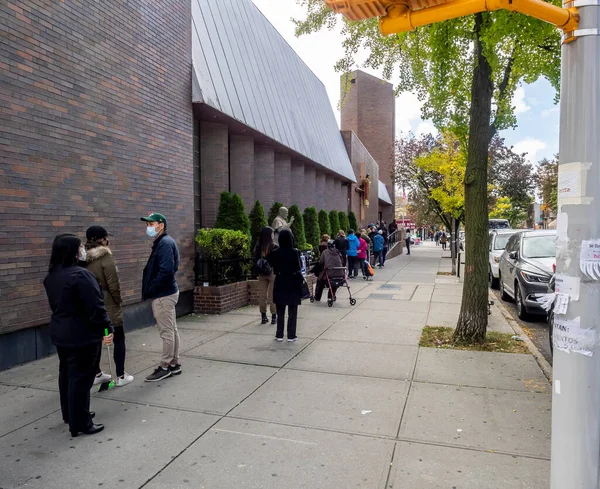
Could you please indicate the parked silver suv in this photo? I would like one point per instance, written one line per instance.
(526, 266)
(498, 240)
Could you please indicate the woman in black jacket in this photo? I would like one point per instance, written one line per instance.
(77, 329)
(288, 283)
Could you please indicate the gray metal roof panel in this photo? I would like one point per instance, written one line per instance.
(383, 193)
(246, 70)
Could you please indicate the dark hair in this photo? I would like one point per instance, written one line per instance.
(265, 241)
(351, 231)
(65, 249)
(286, 239)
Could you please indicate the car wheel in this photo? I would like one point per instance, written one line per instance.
(494, 282)
(521, 311)
(503, 295)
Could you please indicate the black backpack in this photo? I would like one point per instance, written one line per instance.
(263, 267)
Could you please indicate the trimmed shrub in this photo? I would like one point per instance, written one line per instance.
(297, 227)
(311, 228)
(257, 223)
(352, 221)
(232, 214)
(324, 223)
(334, 223)
(273, 212)
(344, 224)
(223, 244)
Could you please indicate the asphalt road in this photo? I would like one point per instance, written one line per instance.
(536, 328)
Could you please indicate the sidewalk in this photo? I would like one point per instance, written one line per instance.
(355, 403)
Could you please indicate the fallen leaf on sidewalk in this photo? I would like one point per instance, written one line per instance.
(365, 412)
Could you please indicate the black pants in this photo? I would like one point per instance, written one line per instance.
(119, 351)
(408, 246)
(321, 284)
(76, 372)
(292, 321)
(353, 264)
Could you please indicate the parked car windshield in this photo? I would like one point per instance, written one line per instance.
(539, 247)
(501, 241)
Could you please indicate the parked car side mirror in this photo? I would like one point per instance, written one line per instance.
(514, 255)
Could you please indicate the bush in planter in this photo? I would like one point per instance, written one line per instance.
(334, 223)
(352, 224)
(344, 224)
(311, 228)
(297, 227)
(224, 256)
(257, 223)
(273, 212)
(324, 223)
(231, 214)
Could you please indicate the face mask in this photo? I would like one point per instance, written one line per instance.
(151, 231)
(82, 254)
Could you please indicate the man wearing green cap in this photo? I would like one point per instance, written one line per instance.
(159, 286)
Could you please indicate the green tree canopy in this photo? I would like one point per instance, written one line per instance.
(344, 222)
(257, 222)
(352, 222)
(311, 228)
(298, 227)
(546, 179)
(334, 223)
(231, 213)
(324, 223)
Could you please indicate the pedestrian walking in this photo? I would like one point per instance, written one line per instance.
(101, 263)
(386, 245)
(437, 238)
(353, 244)
(443, 240)
(331, 265)
(378, 247)
(77, 329)
(408, 238)
(287, 291)
(341, 243)
(361, 254)
(266, 276)
(159, 286)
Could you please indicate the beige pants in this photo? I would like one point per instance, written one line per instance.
(163, 309)
(265, 286)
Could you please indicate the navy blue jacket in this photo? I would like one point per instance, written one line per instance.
(159, 274)
(79, 317)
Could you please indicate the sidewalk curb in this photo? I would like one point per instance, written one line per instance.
(539, 358)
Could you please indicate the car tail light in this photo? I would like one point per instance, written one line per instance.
(554, 267)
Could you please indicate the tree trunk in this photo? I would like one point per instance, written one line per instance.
(472, 323)
(453, 246)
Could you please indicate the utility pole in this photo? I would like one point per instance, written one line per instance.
(576, 386)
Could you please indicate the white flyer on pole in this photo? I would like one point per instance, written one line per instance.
(561, 303)
(567, 285)
(589, 258)
(568, 336)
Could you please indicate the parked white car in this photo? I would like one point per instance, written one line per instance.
(498, 240)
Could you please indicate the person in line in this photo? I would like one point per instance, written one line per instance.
(353, 245)
(361, 255)
(378, 247)
(77, 329)
(101, 263)
(341, 243)
(408, 238)
(372, 233)
(323, 243)
(443, 240)
(159, 286)
(266, 277)
(437, 238)
(331, 265)
(288, 284)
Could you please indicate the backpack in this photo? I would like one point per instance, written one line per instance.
(263, 267)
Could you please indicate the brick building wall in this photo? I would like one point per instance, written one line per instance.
(309, 191)
(297, 196)
(97, 127)
(264, 175)
(283, 178)
(320, 194)
(241, 168)
(214, 168)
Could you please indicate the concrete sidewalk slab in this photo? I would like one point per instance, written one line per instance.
(389, 333)
(223, 322)
(398, 308)
(378, 317)
(332, 402)
(136, 443)
(423, 293)
(33, 373)
(7, 388)
(22, 406)
(249, 348)
(512, 422)
(207, 386)
(253, 455)
(149, 340)
(421, 466)
(361, 359)
(481, 369)
(306, 329)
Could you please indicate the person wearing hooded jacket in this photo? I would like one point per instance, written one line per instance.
(361, 254)
(353, 263)
(331, 265)
(78, 326)
(378, 247)
(101, 263)
(287, 291)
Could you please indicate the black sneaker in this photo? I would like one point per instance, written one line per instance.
(175, 369)
(159, 374)
(274, 319)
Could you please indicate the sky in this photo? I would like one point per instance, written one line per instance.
(538, 116)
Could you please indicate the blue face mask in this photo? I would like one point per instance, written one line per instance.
(151, 231)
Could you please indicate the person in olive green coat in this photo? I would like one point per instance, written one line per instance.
(100, 261)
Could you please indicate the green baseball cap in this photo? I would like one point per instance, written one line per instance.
(155, 217)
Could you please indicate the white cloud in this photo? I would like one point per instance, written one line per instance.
(425, 127)
(530, 146)
(408, 112)
(519, 101)
(549, 112)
